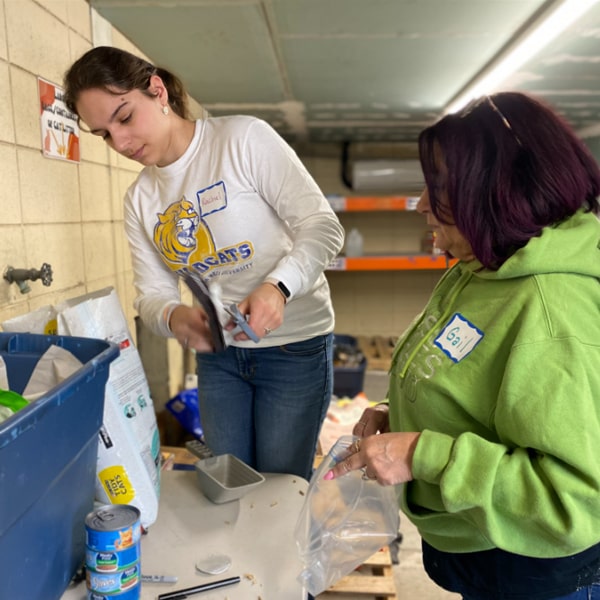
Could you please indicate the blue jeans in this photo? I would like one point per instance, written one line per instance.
(266, 405)
(498, 574)
(590, 592)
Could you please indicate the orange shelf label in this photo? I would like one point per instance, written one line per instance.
(376, 203)
(417, 262)
(372, 203)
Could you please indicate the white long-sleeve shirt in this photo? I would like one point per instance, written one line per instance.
(237, 207)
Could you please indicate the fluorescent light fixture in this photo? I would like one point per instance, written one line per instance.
(541, 34)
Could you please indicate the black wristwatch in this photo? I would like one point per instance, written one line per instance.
(283, 289)
(280, 286)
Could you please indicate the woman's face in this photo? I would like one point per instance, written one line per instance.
(448, 238)
(131, 123)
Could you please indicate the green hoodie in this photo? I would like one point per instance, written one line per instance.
(501, 374)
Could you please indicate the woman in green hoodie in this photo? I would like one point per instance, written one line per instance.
(492, 421)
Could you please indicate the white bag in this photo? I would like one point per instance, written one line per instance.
(41, 320)
(128, 470)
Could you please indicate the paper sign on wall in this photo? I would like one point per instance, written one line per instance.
(60, 130)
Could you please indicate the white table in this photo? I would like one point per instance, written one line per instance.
(256, 532)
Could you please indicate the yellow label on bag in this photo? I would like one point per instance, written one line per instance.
(51, 327)
(116, 484)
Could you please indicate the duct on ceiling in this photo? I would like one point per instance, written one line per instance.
(388, 175)
(385, 174)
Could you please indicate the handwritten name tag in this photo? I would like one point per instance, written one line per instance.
(458, 338)
(212, 198)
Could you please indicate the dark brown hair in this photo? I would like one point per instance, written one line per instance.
(514, 166)
(118, 71)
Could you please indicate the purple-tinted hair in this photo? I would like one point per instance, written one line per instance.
(514, 166)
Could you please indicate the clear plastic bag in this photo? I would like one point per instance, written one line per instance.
(343, 522)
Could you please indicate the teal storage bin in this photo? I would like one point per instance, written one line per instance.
(48, 454)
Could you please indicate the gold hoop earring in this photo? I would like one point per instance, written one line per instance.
(165, 110)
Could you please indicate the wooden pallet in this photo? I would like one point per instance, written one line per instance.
(176, 455)
(373, 579)
(378, 349)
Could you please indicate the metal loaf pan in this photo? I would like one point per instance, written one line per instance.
(224, 478)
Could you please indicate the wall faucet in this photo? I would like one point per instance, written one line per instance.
(21, 276)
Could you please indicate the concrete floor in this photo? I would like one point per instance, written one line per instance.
(412, 583)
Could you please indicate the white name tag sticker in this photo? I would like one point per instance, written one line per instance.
(458, 338)
(212, 198)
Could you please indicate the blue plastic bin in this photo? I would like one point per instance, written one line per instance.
(348, 381)
(48, 455)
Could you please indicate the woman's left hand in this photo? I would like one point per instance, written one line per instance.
(264, 305)
(386, 457)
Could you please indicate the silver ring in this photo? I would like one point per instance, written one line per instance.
(365, 477)
(346, 466)
(356, 444)
(268, 330)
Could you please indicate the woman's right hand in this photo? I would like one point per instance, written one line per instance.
(189, 325)
(386, 458)
(374, 419)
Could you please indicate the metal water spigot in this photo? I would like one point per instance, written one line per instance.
(21, 276)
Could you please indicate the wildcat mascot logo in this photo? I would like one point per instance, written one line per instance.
(181, 236)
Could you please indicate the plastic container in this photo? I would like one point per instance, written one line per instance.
(184, 407)
(428, 243)
(348, 381)
(225, 478)
(48, 453)
(354, 243)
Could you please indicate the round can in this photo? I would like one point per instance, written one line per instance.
(112, 557)
(110, 561)
(113, 528)
(109, 584)
(128, 595)
(133, 594)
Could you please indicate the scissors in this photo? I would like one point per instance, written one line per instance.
(242, 324)
(201, 292)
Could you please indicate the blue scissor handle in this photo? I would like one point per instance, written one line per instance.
(240, 320)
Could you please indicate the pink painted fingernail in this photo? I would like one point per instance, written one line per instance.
(328, 476)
